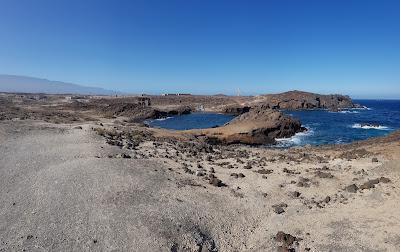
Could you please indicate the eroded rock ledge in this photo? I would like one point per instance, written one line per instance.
(260, 125)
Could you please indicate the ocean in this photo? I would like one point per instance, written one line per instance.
(377, 118)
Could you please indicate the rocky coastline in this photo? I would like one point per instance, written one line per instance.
(258, 118)
(256, 127)
(207, 190)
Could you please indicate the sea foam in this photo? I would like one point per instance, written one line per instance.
(366, 126)
(163, 119)
(297, 139)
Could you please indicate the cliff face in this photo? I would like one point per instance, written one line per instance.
(258, 126)
(294, 100)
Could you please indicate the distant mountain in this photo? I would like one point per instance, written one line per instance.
(24, 84)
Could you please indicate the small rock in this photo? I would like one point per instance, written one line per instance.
(286, 239)
(353, 188)
(323, 174)
(375, 160)
(327, 199)
(384, 180)
(248, 166)
(200, 173)
(279, 210)
(263, 171)
(215, 181)
(295, 194)
(122, 155)
(369, 184)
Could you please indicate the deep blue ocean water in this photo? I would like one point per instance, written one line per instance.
(325, 127)
(346, 126)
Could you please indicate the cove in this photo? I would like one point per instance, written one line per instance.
(198, 120)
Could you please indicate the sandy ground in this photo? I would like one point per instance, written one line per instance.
(62, 189)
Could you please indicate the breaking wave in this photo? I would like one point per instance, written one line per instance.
(297, 139)
(162, 119)
(369, 126)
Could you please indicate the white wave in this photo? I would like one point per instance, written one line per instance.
(363, 108)
(297, 139)
(163, 119)
(345, 112)
(348, 112)
(368, 126)
(339, 141)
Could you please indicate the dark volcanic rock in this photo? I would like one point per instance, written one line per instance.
(352, 188)
(171, 112)
(369, 184)
(287, 240)
(236, 110)
(321, 174)
(295, 194)
(279, 208)
(384, 180)
(295, 100)
(215, 181)
(372, 182)
(258, 126)
(263, 171)
(238, 175)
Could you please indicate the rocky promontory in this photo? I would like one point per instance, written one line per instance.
(260, 125)
(298, 100)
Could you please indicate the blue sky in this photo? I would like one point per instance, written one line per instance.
(199, 46)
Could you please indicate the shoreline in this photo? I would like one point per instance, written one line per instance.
(76, 178)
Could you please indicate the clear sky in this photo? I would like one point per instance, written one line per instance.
(200, 46)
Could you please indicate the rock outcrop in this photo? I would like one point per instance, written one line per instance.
(258, 126)
(136, 109)
(235, 109)
(173, 111)
(296, 100)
